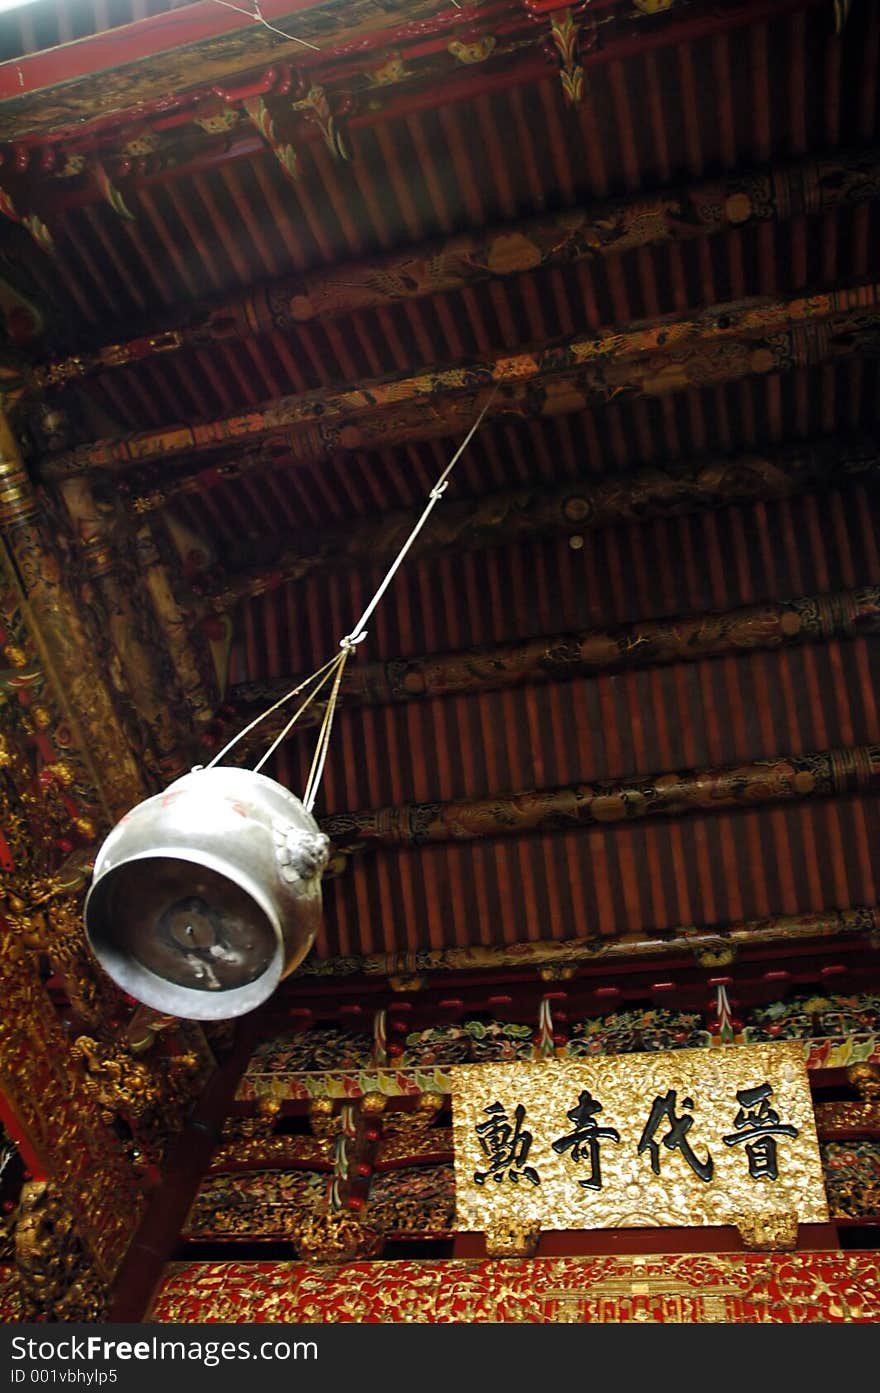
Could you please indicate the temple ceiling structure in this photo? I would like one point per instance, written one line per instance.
(614, 733)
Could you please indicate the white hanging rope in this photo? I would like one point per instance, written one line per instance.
(359, 633)
(331, 670)
(319, 758)
(335, 667)
(295, 691)
(257, 16)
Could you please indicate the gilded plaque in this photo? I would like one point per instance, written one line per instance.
(680, 1138)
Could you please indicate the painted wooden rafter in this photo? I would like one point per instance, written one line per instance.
(669, 354)
(749, 784)
(705, 209)
(590, 652)
(564, 511)
(566, 957)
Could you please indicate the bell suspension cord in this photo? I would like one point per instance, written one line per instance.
(331, 672)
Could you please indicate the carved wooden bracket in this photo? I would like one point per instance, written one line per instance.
(509, 1240)
(775, 1232)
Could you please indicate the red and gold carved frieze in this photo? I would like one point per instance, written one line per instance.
(784, 1289)
(62, 1123)
(410, 1082)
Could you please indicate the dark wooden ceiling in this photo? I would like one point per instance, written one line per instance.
(144, 244)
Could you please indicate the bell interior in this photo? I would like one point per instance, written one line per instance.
(183, 938)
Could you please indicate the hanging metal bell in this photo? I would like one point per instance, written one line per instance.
(205, 896)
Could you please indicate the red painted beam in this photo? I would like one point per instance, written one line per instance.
(188, 1160)
(53, 68)
(129, 43)
(472, 84)
(462, 87)
(200, 22)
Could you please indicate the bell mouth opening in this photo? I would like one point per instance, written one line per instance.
(183, 937)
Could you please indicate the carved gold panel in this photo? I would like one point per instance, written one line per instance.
(678, 1138)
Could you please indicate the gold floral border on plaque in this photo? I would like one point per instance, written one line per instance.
(681, 1138)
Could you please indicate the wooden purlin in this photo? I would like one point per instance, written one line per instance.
(160, 65)
(561, 656)
(720, 344)
(775, 194)
(749, 784)
(154, 61)
(711, 943)
(510, 514)
(499, 519)
(697, 365)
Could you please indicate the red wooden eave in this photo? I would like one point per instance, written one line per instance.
(197, 23)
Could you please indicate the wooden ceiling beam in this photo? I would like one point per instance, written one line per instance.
(715, 943)
(751, 784)
(120, 72)
(560, 657)
(122, 77)
(772, 194)
(721, 344)
(575, 507)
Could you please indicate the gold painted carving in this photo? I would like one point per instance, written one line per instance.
(407, 984)
(679, 1138)
(325, 1122)
(848, 1117)
(17, 501)
(722, 956)
(114, 1080)
(33, 567)
(281, 1152)
(769, 1232)
(260, 1125)
(428, 1144)
(407, 1124)
(556, 972)
(866, 1078)
(58, 1117)
(57, 1280)
(155, 1097)
(247, 1139)
(92, 994)
(373, 1105)
(511, 1240)
(333, 1238)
